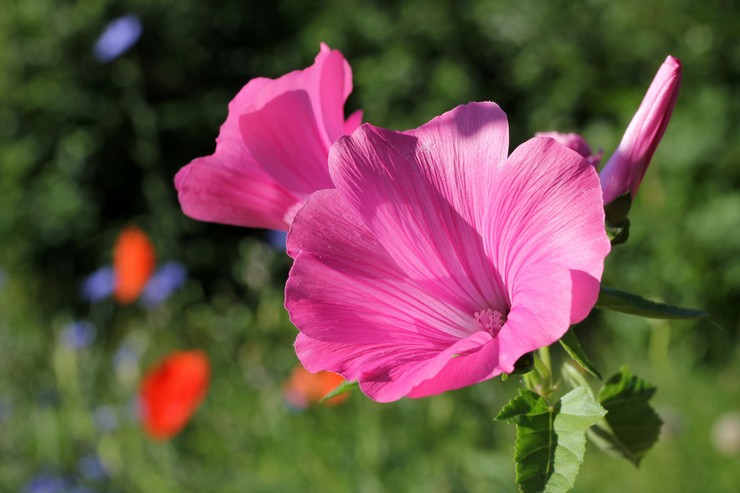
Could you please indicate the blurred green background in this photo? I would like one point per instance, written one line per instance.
(88, 147)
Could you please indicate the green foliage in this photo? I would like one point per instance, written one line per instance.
(631, 426)
(550, 440)
(342, 388)
(573, 347)
(620, 301)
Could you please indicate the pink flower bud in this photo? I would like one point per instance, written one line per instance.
(625, 169)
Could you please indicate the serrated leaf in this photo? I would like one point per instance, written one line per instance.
(621, 301)
(550, 440)
(631, 426)
(346, 386)
(573, 347)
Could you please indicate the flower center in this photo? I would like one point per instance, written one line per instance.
(489, 320)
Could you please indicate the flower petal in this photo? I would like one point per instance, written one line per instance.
(388, 371)
(285, 138)
(343, 286)
(213, 189)
(421, 193)
(547, 207)
(537, 317)
(353, 121)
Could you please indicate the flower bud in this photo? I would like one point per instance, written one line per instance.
(624, 171)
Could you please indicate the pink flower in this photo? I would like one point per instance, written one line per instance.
(272, 150)
(438, 261)
(625, 169)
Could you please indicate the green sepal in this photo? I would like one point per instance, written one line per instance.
(619, 233)
(623, 302)
(550, 440)
(618, 209)
(616, 221)
(524, 364)
(573, 347)
(631, 426)
(346, 386)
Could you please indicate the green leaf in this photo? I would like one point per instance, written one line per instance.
(620, 301)
(573, 347)
(572, 377)
(343, 387)
(550, 440)
(631, 426)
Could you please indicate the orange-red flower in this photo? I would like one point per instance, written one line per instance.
(304, 389)
(133, 264)
(171, 392)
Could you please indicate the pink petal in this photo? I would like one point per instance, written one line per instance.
(468, 368)
(283, 136)
(547, 207)
(211, 189)
(229, 141)
(388, 371)
(421, 193)
(626, 168)
(353, 121)
(537, 317)
(346, 288)
(327, 83)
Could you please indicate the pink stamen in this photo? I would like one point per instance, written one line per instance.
(489, 320)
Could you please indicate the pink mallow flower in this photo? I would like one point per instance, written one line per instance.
(272, 150)
(439, 260)
(625, 169)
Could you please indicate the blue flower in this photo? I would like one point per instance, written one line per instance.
(165, 281)
(98, 285)
(47, 483)
(119, 35)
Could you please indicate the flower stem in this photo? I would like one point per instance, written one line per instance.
(540, 379)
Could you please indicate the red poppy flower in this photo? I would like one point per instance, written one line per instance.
(171, 392)
(304, 389)
(133, 264)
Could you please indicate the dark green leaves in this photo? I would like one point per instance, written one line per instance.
(550, 440)
(620, 301)
(631, 426)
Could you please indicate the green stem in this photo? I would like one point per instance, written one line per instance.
(540, 379)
